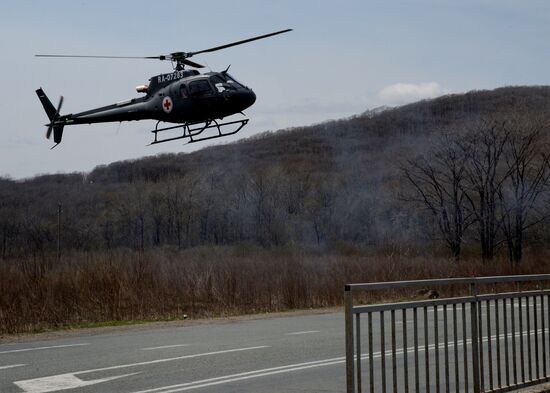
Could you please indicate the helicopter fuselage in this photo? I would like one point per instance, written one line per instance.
(185, 97)
(176, 98)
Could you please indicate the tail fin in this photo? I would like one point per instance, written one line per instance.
(46, 103)
(57, 133)
(53, 115)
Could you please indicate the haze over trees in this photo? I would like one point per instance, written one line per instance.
(456, 178)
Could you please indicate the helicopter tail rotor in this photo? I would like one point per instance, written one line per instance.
(53, 115)
(53, 119)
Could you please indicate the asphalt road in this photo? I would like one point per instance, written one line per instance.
(285, 354)
(289, 354)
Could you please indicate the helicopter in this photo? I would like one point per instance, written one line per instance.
(195, 102)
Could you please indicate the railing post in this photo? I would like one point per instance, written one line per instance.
(348, 310)
(475, 339)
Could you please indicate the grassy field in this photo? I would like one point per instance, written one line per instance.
(98, 289)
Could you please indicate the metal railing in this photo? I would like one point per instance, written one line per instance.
(491, 342)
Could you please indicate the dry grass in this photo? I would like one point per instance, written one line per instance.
(39, 294)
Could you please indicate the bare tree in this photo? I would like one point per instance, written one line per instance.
(528, 166)
(269, 220)
(438, 184)
(9, 229)
(483, 148)
(320, 209)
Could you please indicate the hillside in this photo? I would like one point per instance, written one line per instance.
(327, 183)
(277, 221)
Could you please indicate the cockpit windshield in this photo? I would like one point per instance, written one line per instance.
(220, 84)
(224, 81)
(232, 80)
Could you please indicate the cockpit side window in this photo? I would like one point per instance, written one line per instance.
(199, 88)
(183, 91)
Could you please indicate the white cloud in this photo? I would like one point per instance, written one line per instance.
(402, 93)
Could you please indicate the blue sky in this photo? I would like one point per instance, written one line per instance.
(342, 58)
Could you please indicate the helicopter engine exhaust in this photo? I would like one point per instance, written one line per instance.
(142, 88)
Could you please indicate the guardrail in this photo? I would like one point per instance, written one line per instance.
(491, 342)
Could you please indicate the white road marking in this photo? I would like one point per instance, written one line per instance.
(245, 375)
(165, 346)
(169, 359)
(70, 380)
(292, 368)
(11, 366)
(43, 348)
(304, 332)
(60, 382)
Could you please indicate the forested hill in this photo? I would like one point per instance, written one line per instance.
(318, 146)
(337, 182)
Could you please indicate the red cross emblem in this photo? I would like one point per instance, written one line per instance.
(167, 104)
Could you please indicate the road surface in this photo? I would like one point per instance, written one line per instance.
(288, 354)
(302, 353)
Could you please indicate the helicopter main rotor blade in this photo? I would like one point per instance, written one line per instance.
(162, 57)
(179, 57)
(102, 57)
(237, 43)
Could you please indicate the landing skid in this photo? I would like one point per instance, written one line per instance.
(192, 131)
